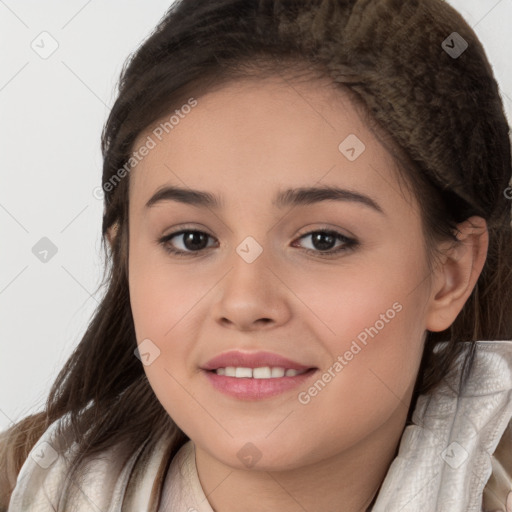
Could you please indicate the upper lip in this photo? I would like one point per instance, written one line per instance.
(252, 360)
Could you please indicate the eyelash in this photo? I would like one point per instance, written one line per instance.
(348, 243)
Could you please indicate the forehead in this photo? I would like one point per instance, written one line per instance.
(255, 135)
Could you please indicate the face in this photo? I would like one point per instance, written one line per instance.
(336, 283)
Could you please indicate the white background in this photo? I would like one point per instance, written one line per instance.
(52, 112)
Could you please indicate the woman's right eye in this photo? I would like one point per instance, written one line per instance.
(191, 241)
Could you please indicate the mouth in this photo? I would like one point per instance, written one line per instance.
(256, 384)
(255, 375)
(262, 372)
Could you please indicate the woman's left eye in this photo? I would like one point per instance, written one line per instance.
(323, 242)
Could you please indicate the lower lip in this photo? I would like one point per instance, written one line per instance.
(255, 389)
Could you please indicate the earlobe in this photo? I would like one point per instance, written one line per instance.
(457, 273)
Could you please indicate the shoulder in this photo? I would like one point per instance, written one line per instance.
(16, 443)
(493, 383)
(43, 471)
(459, 440)
(47, 482)
(45, 477)
(497, 494)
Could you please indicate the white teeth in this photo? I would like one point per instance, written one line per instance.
(243, 372)
(278, 372)
(230, 371)
(263, 372)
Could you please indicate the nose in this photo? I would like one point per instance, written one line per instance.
(252, 296)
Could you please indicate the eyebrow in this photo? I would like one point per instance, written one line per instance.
(289, 197)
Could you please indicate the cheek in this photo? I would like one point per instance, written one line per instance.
(162, 303)
(163, 295)
(368, 301)
(167, 308)
(372, 327)
(369, 379)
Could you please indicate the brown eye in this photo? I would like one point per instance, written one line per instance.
(323, 242)
(187, 241)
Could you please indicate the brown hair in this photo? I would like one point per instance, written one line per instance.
(442, 118)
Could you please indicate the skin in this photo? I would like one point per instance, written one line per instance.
(245, 142)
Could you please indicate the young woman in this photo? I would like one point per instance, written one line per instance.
(310, 289)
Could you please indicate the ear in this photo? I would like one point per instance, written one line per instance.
(457, 273)
(111, 234)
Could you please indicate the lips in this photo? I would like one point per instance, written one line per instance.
(255, 376)
(235, 358)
